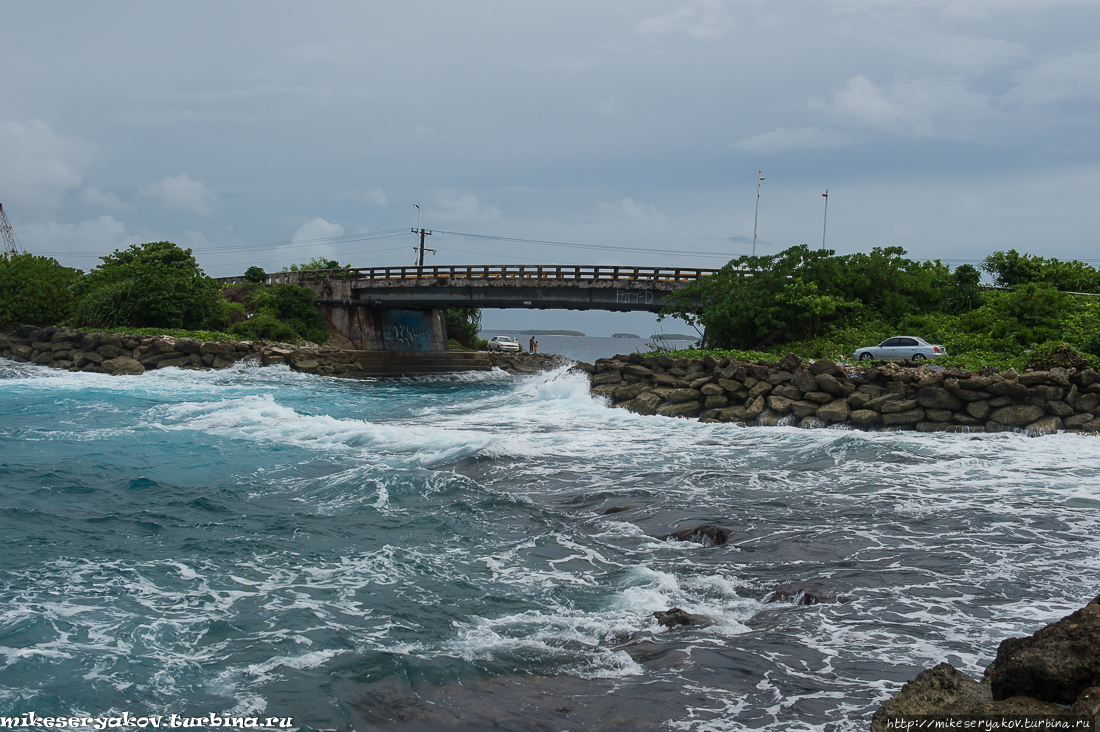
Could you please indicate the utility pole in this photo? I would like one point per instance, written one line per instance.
(825, 221)
(11, 244)
(423, 233)
(759, 178)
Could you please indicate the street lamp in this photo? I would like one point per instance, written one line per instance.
(825, 221)
(759, 178)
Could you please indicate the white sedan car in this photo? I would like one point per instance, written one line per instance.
(503, 343)
(908, 348)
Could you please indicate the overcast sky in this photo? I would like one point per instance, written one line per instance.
(258, 132)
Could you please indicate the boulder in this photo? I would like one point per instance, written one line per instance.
(863, 418)
(735, 413)
(755, 407)
(835, 411)
(803, 409)
(825, 366)
(1049, 425)
(1055, 664)
(801, 593)
(818, 396)
(829, 384)
(625, 393)
(607, 377)
(677, 396)
(790, 362)
(1086, 403)
(1059, 408)
(759, 389)
(1008, 389)
(779, 404)
(940, 690)
(1077, 421)
(1016, 415)
(911, 416)
(804, 380)
(712, 389)
(675, 618)
(646, 403)
(716, 402)
(896, 405)
(705, 534)
(787, 391)
(681, 409)
(936, 397)
(122, 366)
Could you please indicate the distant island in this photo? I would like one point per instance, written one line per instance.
(625, 335)
(537, 332)
(674, 337)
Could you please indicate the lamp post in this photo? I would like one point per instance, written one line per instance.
(756, 219)
(825, 221)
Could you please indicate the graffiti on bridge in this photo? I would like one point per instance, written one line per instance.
(634, 297)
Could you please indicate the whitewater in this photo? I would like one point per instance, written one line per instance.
(432, 554)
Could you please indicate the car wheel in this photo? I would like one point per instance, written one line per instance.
(918, 357)
(865, 356)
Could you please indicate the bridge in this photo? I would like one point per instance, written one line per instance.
(397, 308)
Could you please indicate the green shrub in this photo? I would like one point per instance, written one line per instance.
(1052, 353)
(154, 285)
(464, 325)
(255, 274)
(35, 290)
(264, 325)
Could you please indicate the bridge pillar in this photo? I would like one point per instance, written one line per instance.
(374, 328)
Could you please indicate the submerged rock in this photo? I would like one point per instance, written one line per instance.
(801, 593)
(675, 618)
(706, 534)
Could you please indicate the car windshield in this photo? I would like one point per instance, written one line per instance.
(504, 339)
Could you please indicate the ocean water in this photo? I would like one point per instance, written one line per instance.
(589, 348)
(436, 554)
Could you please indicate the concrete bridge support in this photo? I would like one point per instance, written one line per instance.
(372, 328)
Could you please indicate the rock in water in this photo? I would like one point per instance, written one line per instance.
(675, 617)
(1056, 664)
(706, 534)
(940, 690)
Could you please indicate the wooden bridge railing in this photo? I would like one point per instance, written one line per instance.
(488, 271)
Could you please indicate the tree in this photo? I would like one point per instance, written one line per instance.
(463, 325)
(154, 285)
(255, 274)
(35, 290)
(758, 302)
(1011, 269)
(317, 263)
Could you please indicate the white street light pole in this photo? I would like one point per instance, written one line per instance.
(825, 221)
(759, 177)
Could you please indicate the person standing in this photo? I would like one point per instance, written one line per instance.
(532, 345)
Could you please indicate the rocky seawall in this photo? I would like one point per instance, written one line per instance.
(131, 355)
(822, 393)
(1054, 672)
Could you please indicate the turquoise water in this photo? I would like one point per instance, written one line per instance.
(435, 554)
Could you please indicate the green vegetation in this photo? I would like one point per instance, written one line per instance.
(35, 290)
(155, 285)
(275, 313)
(316, 263)
(820, 305)
(155, 289)
(464, 326)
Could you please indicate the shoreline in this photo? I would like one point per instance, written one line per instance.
(788, 392)
(884, 395)
(119, 354)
